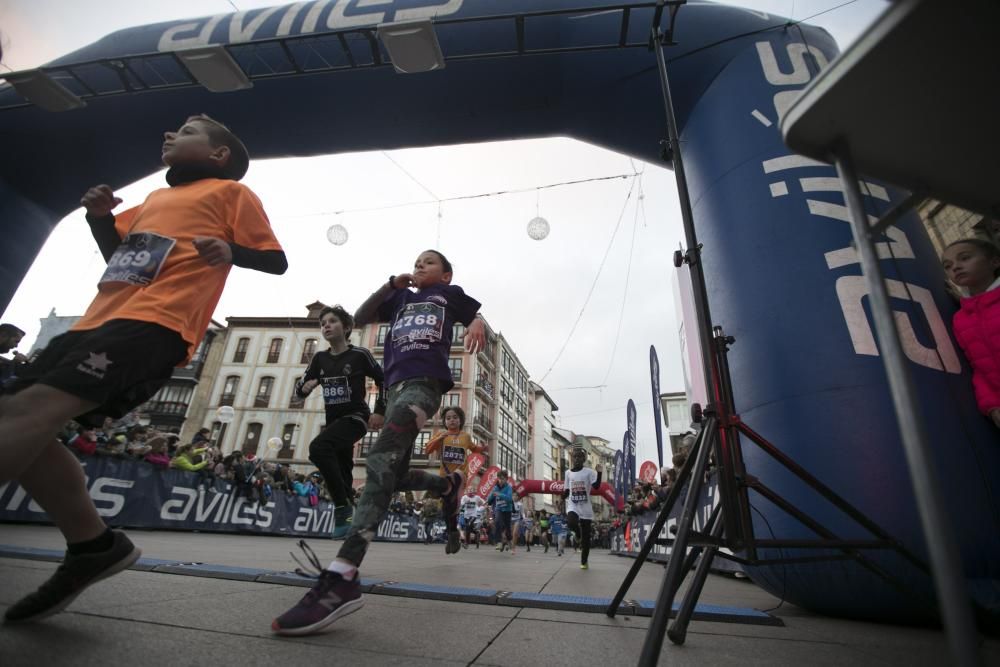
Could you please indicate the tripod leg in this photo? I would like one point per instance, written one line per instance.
(675, 572)
(678, 629)
(661, 519)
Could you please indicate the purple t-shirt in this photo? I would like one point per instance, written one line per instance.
(419, 339)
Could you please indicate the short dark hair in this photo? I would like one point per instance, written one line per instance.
(991, 250)
(346, 319)
(458, 411)
(445, 264)
(220, 135)
(10, 330)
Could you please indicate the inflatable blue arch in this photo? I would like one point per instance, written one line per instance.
(782, 276)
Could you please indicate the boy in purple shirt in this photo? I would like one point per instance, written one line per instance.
(417, 375)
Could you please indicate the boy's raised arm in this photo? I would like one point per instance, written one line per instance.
(98, 202)
(368, 311)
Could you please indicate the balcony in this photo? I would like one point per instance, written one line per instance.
(485, 389)
(227, 399)
(483, 423)
(487, 354)
(262, 401)
(169, 408)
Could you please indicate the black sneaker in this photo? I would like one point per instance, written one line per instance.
(71, 578)
(450, 500)
(454, 542)
(332, 598)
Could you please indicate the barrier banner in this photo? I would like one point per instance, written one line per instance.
(629, 538)
(133, 494)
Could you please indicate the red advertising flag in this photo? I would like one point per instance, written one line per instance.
(476, 462)
(647, 472)
(488, 481)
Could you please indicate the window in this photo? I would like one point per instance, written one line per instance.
(308, 351)
(367, 442)
(296, 401)
(457, 331)
(274, 351)
(218, 434)
(383, 331)
(450, 399)
(252, 438)
(287, 442)
(263, 398)
(229, 390)
(455, 364)
(418, 447)
(241, 350)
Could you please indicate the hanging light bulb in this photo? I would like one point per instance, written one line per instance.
(225, 414)
(337, 234)
(538, 228)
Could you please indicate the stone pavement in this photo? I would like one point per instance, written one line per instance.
(158, 618)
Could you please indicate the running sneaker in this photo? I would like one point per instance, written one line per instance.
(584, 566)
(332, 598)
(71, 578)
(454, 542)
(342, 517)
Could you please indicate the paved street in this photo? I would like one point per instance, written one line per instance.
(161, 618)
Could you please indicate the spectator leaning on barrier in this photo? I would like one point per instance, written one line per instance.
(84, 442)
(157, 454)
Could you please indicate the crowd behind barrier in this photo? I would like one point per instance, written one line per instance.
(133, 493)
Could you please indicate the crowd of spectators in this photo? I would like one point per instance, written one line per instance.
(257, 480)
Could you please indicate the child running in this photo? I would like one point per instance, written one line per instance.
(557, 526)
(455, 446)
(974, 264)
(417, 374)
(168, 260)
(472, 505)
(341, 371)
(501, 496)
(579, 510)
(516, 515)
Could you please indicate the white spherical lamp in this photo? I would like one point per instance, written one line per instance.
(337, 235)
(538, 228)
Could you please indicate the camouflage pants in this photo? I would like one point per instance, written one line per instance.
(389, 461)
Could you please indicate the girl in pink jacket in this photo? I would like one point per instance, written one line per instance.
(974, 265)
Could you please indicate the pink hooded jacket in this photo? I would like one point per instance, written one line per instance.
(977, 329)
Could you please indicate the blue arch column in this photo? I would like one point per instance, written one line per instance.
(783, 279)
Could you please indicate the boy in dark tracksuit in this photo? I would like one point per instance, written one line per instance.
(341, 371)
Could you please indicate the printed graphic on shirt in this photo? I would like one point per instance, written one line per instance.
(578, 492)
(138, 259)
(419, 322)
(336, 390)
(453, 455)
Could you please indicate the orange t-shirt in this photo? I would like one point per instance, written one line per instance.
(183, 295)
(455, 449)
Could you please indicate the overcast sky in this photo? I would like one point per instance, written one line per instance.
(532, 291)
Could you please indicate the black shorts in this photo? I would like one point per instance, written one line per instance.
(119, 365)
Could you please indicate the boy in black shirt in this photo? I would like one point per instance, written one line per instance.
(341, 371)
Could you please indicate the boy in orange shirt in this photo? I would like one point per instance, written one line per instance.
(168, 260)
(455, 445)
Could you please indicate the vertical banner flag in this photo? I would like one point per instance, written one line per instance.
(631, 441)
(618, 482)
(654, 376)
